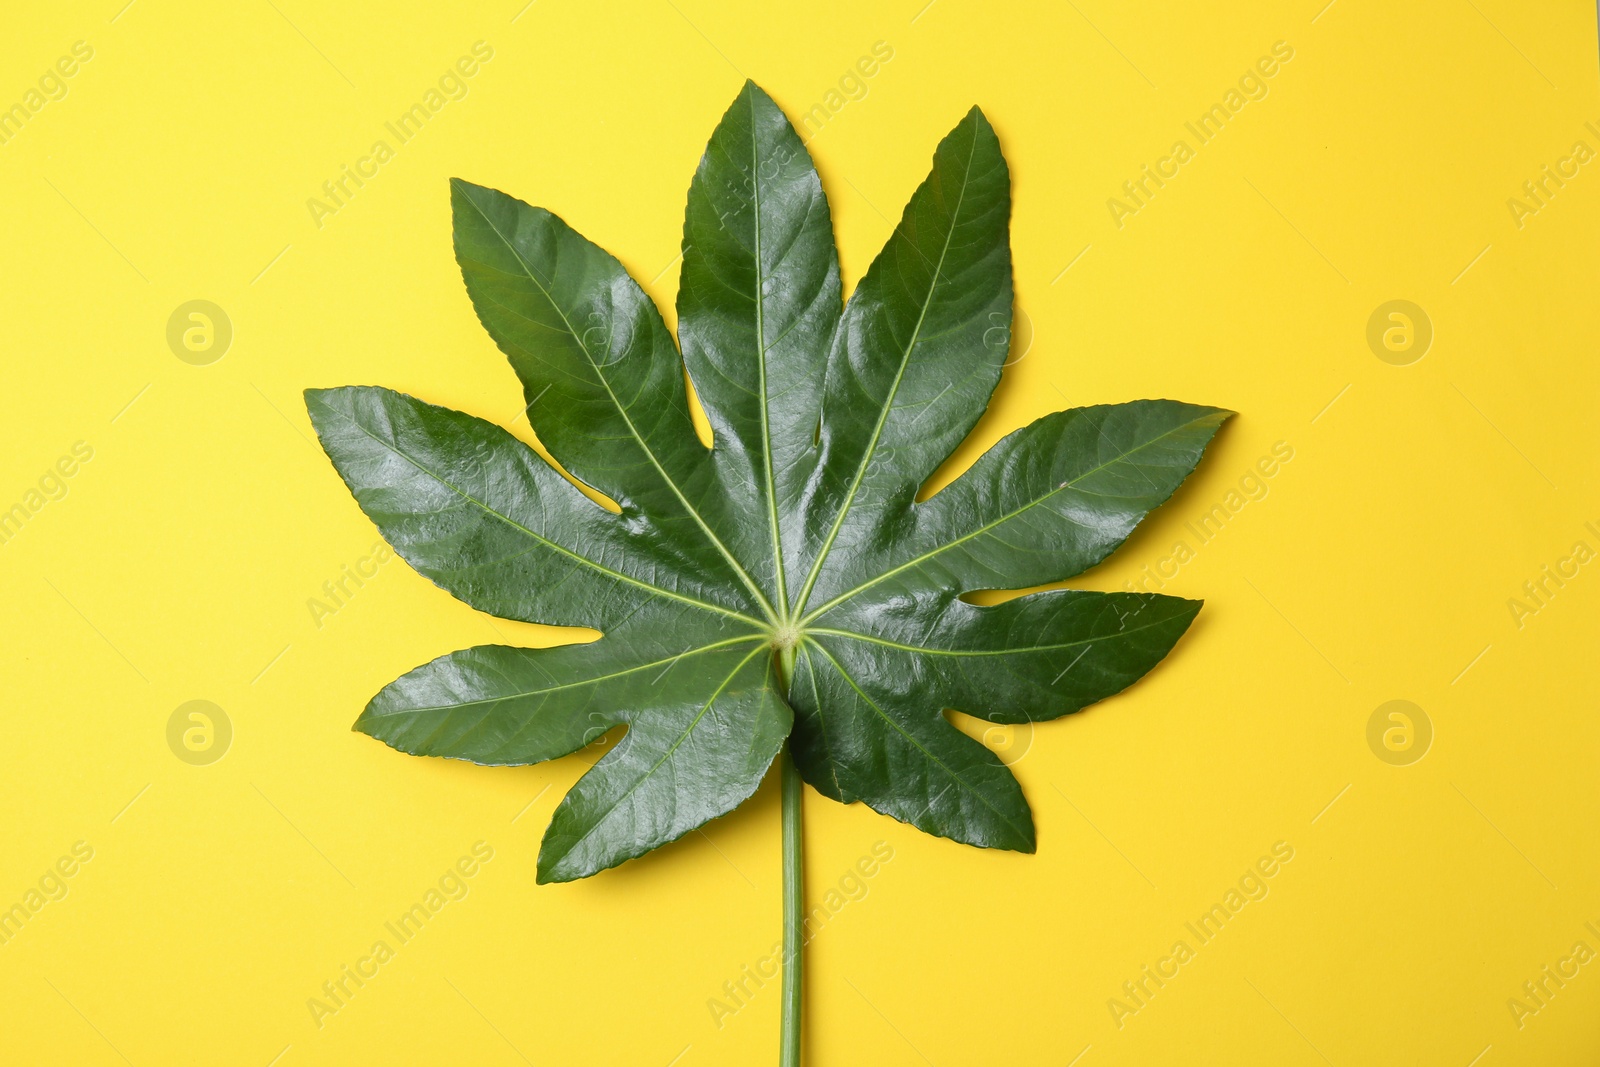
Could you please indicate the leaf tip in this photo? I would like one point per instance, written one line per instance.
(550, 869)
(463, 191)
(1030, 843)
(754, 97)
(325, 406)
(1026, 840)
(976, 116)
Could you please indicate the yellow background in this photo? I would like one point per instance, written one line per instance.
(1378, 566)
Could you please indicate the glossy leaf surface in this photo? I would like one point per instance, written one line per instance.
(785, 584)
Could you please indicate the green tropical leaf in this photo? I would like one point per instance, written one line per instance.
(784, 586)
